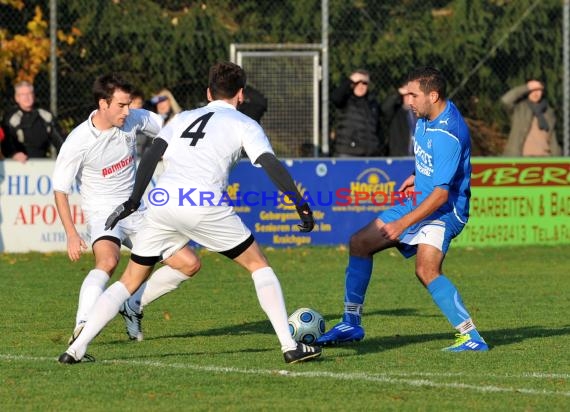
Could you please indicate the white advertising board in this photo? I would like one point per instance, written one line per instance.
(28, 216)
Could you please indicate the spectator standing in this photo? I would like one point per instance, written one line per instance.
(402, 123)
(30, 131)
(137, 99)
(165, 105)
(358, 125)
(254, 104)
(532, 122)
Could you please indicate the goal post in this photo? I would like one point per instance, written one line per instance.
(289, 76)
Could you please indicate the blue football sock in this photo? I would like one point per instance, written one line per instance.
(475, 335)
(357, 278)
(447, 298)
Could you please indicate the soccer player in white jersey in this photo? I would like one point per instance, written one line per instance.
(199, 148)
(425, 225)
(100, 155)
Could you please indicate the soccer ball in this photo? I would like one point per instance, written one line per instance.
(306, 325)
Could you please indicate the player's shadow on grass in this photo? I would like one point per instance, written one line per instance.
(248, 328)
(495, 338)
(264, 326)
(154, 356)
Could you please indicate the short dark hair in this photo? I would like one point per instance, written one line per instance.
(225, 79)
(430, 80)
(137, 93)
(106, 85)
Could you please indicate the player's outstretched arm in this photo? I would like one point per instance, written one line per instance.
(284, 182)
(150, 159)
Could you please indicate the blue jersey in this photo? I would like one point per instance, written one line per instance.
(442, 148)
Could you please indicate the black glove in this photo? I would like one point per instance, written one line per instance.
(121, 212)
(306, 217)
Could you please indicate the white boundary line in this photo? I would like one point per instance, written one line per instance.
(388, 377)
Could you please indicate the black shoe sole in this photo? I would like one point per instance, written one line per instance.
(308, 357)
(67, 359)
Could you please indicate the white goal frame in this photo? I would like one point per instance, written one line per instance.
(313, 52)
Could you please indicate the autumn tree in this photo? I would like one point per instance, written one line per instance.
(23, 56)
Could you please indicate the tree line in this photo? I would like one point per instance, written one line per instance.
(484, 47)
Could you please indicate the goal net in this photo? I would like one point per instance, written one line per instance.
(289, 80)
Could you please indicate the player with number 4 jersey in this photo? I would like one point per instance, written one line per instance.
(199, 148)
(190, 147)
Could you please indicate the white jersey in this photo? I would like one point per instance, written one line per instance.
(103, 162)
(203, 145)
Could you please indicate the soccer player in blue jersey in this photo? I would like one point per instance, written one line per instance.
(425, 225)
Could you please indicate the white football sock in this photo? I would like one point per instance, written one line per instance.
(105, 309)
(92, 287)
(271, 299)
(161, 282)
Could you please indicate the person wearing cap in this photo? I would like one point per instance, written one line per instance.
(357, 131)
(165, 105)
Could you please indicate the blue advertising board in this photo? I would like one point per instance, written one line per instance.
(517, 201)
(345, 194)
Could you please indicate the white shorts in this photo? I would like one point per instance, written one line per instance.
(167, 229)
(428, 232)
(437, 230)
(125, 230)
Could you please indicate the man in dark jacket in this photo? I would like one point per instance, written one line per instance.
(402, 123)
(30, 131)
(254, 104)
(358, 125)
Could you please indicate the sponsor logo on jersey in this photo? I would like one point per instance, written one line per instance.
(117, 166)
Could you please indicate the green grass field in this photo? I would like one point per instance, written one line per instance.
(208, 346)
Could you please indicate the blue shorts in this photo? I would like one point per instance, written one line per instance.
(436, 230)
